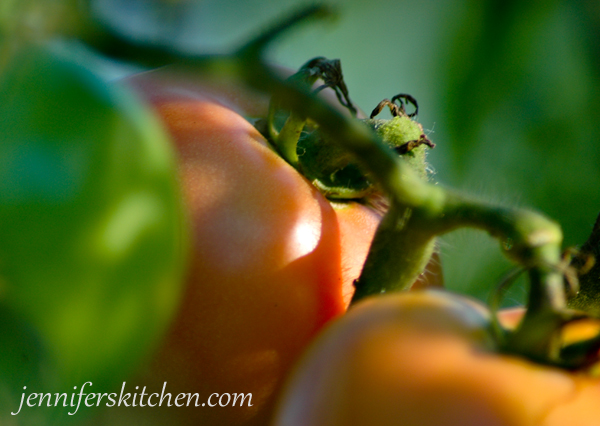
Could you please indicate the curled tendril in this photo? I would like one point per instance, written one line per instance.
(330, 71)
(564, 267)
(410, 145)
(397, 109)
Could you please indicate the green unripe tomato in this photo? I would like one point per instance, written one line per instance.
(92, 245)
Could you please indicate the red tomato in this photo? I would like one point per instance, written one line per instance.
(273, 259)
(427, 358)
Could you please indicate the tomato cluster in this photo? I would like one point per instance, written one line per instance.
(154, 230)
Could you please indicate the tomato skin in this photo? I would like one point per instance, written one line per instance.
(272, 262)
(426, 358)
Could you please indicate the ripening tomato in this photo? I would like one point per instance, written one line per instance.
(273, 259)
(427, 358)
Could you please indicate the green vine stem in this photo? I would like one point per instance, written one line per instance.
(419, 210)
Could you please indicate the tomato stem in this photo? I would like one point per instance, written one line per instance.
(398, 255)
(527, 237)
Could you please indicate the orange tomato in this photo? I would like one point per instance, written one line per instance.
(427, 358)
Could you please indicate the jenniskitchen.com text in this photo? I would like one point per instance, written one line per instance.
(129, 399)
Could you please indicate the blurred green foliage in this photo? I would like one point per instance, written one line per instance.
(522, 78)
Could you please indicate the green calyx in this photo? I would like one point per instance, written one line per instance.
(401, 248)
(331, 168)
(335, 172)
(398, 133)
